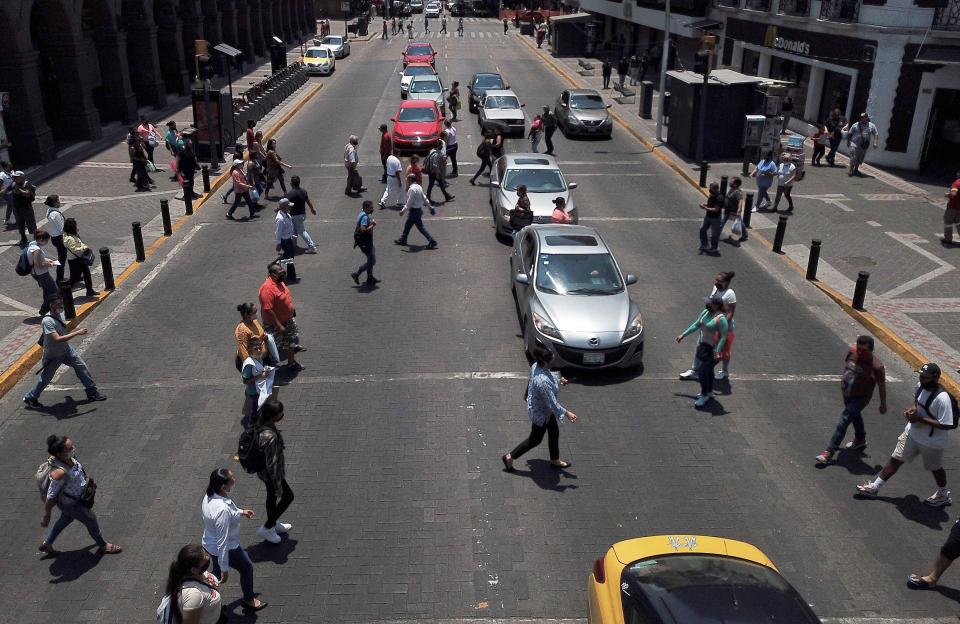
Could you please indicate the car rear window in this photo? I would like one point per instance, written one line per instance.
(418, 70)
(570, 241)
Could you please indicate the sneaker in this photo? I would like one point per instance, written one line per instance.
(372, 280)
(432, 245)
(824, 458)
(268, 535)
(703, 399)
(940, 498)
(355, 278)
(720, 375)
(688, 374)
(855, 445)
(31, 403)
(311, 250)
(399, 242)
(230, 217)
(868, 489)
(96, 397)
(282, 528)
(382, 205)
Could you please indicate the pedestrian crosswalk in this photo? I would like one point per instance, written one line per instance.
(451, 34)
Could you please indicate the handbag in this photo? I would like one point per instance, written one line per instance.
(152, 140)
(88, 257)
(152, 168)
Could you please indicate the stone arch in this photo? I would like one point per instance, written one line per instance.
(142, 54)
(192, 27)
(166, 15)
(110, 75)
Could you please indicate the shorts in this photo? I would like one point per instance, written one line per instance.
(290, 337)
(907, 449)
(951, 547)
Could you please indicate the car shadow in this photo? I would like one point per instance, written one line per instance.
(912, 508)
(604, 377)
(70, 565)
(546, 476)
(274, 553)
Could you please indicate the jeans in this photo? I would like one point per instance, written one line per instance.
(299, 226)
(283, 186)
(71, 510)
(763, 194)
(714, 224)
(439, 181)
(277, 505)
(452, 156)
(74, 361)
(239, 561)
(783, 191)
(535, 142)
(61, 255)
(367, 266)
(704, 370)
(287, 248)
(49, 288)
(8, 200)
(730, 216)
(548, 138)
(394, 188)
(852, 414)
(80, 271)
(536, 437)
(606, 81)
(832, 154)
(237, 198)
(415, 218)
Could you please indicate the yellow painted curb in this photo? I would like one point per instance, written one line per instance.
(15, 372)
(887, 336)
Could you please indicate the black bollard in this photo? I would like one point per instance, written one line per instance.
(813, 260)
(723, 185)
(205, 172)
(747, 209)
(704, 167)
(165, 215)
(66, 293)
(781, 231)
(107, 267)
(138, 242)
(188, 203)
(860, 291)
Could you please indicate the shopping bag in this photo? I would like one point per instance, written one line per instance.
(737, 229)
(254, 195)
(152, 168)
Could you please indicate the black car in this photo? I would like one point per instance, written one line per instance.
(458, 9)
(479, 85)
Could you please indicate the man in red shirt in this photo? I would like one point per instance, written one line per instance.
(951, 216)
(278, 311)
(386, 148)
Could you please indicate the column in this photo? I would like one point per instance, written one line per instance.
(228, 24)
(27, 127)
(213, 32)
(79, 119)
(244, 34)
(256, 27)
(266, 12)
(145, 64)
(811, 109)
(119, 101)
(192, 29)
(173, 64)
(763, 66)
(285, 21)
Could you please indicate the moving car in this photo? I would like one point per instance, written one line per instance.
(416, 6)
(479, 85)
(432, 10)
(503, 107)
(572, 299)
(544, 180)
(419, 53)
(416, 126)
(582, 111)
(319, 60)
(411, 70)
(339, 45)
(428, 88)
(480, 8)
(691, 579)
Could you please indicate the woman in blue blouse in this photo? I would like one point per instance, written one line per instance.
(544, 411)
(713, 327)
(764, 173)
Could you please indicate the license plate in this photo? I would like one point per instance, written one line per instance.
(593, 358)
(592, 128)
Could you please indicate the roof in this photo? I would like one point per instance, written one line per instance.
(486, 74)
(549, 229)
(583, 92)
(513, 159)
(573, 17)
(420, 43)
(500, 92)
(721, 77)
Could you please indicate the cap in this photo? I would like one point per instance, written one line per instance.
(864, 116)
(285, 202)
(929, 369)
(559, 200)
(18, 174)
(713, 299)
(237, 162)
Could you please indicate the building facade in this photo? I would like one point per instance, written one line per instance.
(72, 66)
(897, 60)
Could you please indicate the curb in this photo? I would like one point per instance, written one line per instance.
(887, 336)
(16, 371)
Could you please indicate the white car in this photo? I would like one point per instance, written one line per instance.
(411, 70)
(339, 45)
(433, 10)
(541, 174)
(416, 6)
(502, 107)
(319, 60)
(428, 88)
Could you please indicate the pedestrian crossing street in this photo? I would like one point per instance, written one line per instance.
(450, 34)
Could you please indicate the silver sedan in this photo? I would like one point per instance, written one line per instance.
(572, 298)
(544, 181)
(340, 46)
(583, 112)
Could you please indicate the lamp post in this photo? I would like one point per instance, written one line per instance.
(708, 45)
(663, 69)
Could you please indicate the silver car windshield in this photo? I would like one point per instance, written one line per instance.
(334, 41)
(537, 180)
(578, 274)
(586, 102)
(501, 101)
(425, 86)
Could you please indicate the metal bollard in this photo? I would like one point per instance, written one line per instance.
(205, 173)
(778, 238)
(747, 209)
(723, 185)
(165, 215)
(704, 167)
(138, 242)
(107, 267)
(813, 260)
(66, 293)
(860, 291)
(187, 203)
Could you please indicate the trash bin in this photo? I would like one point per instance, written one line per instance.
(278, 56)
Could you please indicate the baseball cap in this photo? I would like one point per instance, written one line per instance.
(929, 369)
(285, 202)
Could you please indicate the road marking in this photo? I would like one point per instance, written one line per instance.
(943, 265)
(619, 175)
(13, 303)
(888, 196)
(834, 199)
(874, 224)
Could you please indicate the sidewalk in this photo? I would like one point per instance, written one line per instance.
(878, 223)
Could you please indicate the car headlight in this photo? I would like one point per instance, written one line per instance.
(544, 327)
(633, 328)
(573, 119)
(606, 122)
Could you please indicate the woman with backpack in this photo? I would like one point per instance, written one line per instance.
(279, 494)
(80, 257)
(221, 535)
(484, 153)
(70, 489)
(40, 268)
(198, 599)
(712, 324)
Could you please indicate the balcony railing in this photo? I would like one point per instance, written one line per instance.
(947, 17)
(840, 10)
(757, 5)
(730, 4)
(798, 8)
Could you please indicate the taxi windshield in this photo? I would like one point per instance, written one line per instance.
(317, 53)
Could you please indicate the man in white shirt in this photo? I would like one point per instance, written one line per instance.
(450, 135)
(859, 136)
(351, 161)
(787, 173)
(394, 182)
(284, 232)
(416, 200)
(932, 415)
(55, 228)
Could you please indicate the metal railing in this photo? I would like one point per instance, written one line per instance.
(757, 5)
(840, 10)
(798, 8)
(947, 17)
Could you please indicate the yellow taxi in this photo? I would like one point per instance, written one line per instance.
(691, 579)
(319, 60)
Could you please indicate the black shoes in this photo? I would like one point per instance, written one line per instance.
(355, 278)
(32, 403)
(432, 245)
(95, 397)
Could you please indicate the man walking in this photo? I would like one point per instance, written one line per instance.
(443, 25)
(299, 201)
(933, 414)
(416, 200)
(363, 238)
(386, 148)
(460, 27)
(24, 195)
(951, 216)
(436, 168)
(606, 71)
(863, 371)
(426, 24)
(394, 182)
(6, 193)
(383, 34)
(623, 66)
(835, 125)
(351, 161)
(786, 175)
(410, 29)
(284, 233)
(278, 312)
(57, 350)
(858, 140)
(711, 219)
(450, 137)
(505, 25)
(948, 553)
(549, 121)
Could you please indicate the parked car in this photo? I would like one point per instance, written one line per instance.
(432, 10)
(457, 9)
(479, 85)
(319, 60)
(503, 107)
(411, 70)
(691, 579)
(419, 53)
(430, 88)
(416, 126)
(339, 45)
(416, 6)
(582, 111)
(544, 180)
(573, 300)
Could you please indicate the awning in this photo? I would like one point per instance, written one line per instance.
(938, 55)
(572, 17)
(706, 25)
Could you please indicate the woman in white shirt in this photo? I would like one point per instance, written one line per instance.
(221, 535)
(721, 286)
(193, 592)
(55, 228)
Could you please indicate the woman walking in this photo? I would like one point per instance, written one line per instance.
(241, 191)
(721, 288)
(40, 268)
(221, 535)
(250, 327)
(484, 152)
(80, 257)
(712, 324)
(257, 381)
(55, 229)
(237, 155)
(535, 134)
(273, 169)
(193, 592)
(453, 100)
(764, 172)
(73, 492)
(544, 411)
(279, 494)
(733, 205)
(414, 169)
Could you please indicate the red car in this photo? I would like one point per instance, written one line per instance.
(419, 53)
(416, 126)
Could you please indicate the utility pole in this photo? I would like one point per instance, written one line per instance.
(708, 45)
(663, 69)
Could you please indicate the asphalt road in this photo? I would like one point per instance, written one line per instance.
(413, 390)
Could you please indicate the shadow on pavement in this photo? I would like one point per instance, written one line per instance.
(604, 377)
(68, 408)
(274, 553)
(70, 565)
(912, 508)
(854, 463)
(546, 476)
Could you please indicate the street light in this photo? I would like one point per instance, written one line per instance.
(663, 69)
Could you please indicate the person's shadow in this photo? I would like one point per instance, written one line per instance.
(274, 553)
(70, 565)
(912, 508)
(713, 407)
(854, 463)
(68, 408)
(546, 476)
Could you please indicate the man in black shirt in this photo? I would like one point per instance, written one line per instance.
(607, 70)
(23, 195)
(299, 201)
(712, 220)
(549, 127)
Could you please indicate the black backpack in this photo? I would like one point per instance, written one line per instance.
(249, 453)
(930, 399)
(23, 267)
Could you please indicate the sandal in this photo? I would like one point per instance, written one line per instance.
(251, 608)
(918, 582)
(561, 465)
(109, 549)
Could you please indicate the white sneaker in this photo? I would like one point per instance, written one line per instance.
(311, 250)
(939, 499)
(688, 374)
(703, 399)
(868, 489)
(282, 528)
(268, 535)
(720, 375)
